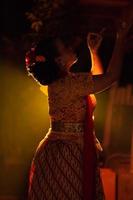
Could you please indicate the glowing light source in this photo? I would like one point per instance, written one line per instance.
(44, 89)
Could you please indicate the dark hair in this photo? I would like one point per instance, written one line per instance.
(84, 58)
(48, 71)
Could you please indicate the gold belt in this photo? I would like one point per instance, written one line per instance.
(59, 126)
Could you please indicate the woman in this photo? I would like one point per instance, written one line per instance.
(65, 163)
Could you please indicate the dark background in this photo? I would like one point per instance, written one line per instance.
(24, 110)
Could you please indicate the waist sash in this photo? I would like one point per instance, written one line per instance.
(89, 156)
(66, 127)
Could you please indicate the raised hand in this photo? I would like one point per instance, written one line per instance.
(94, 41)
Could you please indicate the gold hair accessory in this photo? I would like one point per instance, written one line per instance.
(40, 58)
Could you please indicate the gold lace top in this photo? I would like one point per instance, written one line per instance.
(66, 97)
(67, 103)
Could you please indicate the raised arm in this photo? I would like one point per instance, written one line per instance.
(94, 41)
(103, 81)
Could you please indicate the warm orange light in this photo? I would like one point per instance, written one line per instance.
(44, 89)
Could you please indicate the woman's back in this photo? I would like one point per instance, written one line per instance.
(67, 97)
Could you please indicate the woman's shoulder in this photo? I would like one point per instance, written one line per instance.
(73, 83)
(80, 76)
(72, 78)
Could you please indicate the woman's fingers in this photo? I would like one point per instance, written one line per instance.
(94, 36)
(94, 40)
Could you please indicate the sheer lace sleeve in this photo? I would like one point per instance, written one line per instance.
(82, 84)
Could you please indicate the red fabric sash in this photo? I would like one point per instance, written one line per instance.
(89, 155)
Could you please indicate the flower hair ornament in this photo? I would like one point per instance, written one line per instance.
(31, 59)
(40, 58)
